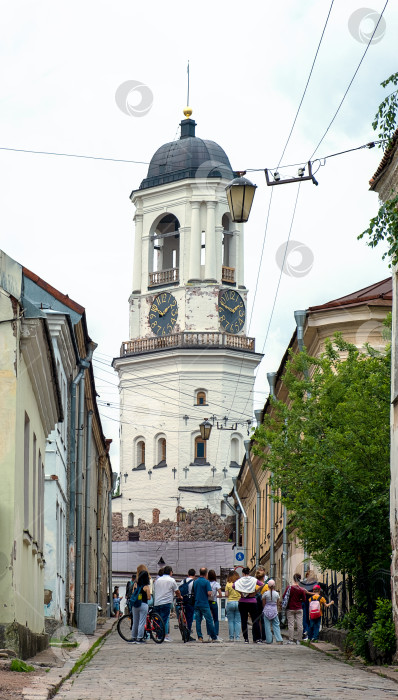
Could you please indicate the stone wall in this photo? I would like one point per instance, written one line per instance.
(200, 524)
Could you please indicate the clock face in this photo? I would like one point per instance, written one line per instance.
(231, 311)
(163, 314)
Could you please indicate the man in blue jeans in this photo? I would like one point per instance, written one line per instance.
(202, 593)
(164, 589)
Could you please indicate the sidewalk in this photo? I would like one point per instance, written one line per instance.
(390, 672)
(62, 661)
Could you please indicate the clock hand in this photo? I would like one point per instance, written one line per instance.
(227, 307)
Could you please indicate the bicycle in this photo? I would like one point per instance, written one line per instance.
(182, 622)
(154, 626)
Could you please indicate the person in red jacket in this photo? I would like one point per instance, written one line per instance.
(294, 610)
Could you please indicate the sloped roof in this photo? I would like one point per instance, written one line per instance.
(63, 298)
(385, 161)
(181, 556)
(379, 294)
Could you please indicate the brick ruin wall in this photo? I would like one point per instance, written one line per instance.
(200, 524)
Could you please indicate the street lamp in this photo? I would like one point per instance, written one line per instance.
(240, 194)
(205, 429)
(182, 515)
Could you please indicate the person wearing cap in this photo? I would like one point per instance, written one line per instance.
(315, 621)
(270, 613)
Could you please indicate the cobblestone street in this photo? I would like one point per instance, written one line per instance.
(219, 671)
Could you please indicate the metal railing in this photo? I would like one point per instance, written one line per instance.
(188, 340)
(157, 279)
(228, 274)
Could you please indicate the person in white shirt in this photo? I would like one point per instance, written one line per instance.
(164, 589)
(215, 593)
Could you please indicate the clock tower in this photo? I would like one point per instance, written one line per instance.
(188, 357)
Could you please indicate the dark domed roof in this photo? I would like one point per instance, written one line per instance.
(189, 157)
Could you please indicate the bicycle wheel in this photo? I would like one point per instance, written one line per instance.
(124, 626)
(156, 630)
(182, 624)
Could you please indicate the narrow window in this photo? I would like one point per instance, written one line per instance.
(203, 249)
(130, 522)
(200, 448)
(200, 398)
(140, 452)
(162, 450)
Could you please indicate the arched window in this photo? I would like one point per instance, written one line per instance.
(201, 399)
(130, 522)
(164, 258)
(235, 452)
(200, 450)
(162, 450)
(140, 453)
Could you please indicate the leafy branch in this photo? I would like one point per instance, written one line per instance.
(386, 116)
(384, 226)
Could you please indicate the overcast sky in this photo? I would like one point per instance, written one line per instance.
(70, 219)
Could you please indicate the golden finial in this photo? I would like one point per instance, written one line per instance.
(187, 112)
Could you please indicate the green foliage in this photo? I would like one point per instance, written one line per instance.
(356, 640)
(384, 227)
(386, 116)
(328, 450)
(20, 666)
(382, 632)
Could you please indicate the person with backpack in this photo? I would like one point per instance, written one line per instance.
(129, 587)
(185, 589)
(202, 593)
(270, 613)
(316, 604)
(139, 604)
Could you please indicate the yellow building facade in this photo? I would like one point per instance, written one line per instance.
(359, 317)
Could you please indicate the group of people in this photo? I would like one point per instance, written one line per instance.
(246, 596)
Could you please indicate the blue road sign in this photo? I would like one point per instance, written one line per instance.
(240, 556)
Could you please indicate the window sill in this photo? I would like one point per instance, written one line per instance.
(141, 467)
(200, 462)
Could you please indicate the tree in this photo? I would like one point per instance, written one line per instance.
(384, 226)
(328, 450)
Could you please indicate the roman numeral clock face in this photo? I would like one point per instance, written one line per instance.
(163, 314)
(231, 311)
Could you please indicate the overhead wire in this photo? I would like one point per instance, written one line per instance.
(351, 81)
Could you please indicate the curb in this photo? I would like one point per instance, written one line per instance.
(45, 687)
(389, 672)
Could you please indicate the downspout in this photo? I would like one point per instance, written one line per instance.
(79, 481)
(110, 547)
(234, 510)
(248, 460)
(244, 521)
(87, 506)
(300, 318)
(72, 484)
(98, 566)
(271, 376)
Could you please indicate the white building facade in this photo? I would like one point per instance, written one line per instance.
(188, 357)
